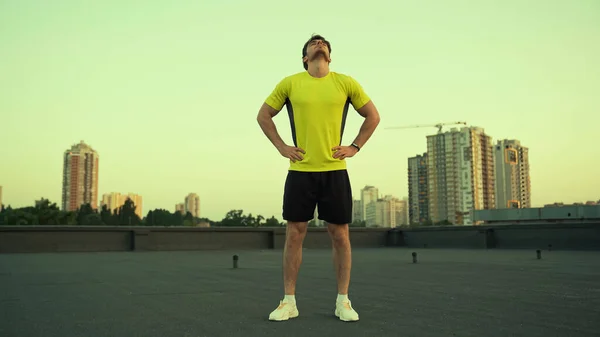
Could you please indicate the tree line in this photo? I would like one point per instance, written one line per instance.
(48, 213)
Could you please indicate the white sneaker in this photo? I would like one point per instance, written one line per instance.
(284, 311)
(345, 312)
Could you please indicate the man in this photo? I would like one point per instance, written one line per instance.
(317, 102)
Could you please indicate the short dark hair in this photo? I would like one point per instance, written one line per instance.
(313, 38)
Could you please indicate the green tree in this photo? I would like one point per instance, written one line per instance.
(127, 215)
(92, 219)
(176, 219)
(259, 221)
(159, 217)
(426, 223)
(84, 210)
(233, 218)
(272, 222)
(149, 219)
(358, 223)
(107, 217)
(47, 212)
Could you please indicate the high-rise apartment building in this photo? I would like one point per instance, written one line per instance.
(357, 211)
(180, 207)
(418, 209)
(367, 195)
(374, 213)
(387, 212)
(115, 200)
(512, 185)
(192, 204)
(402, 212)
(80, 177)
(460, 174)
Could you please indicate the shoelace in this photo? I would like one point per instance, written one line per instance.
(282, 304)
(347, 305)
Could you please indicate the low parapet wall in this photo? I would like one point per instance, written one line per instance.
(38, 239)
(28, 239)
(565, 236)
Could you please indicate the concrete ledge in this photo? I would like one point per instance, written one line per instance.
(30, 239)
(38, 239)
(15, 240)
(566, 236)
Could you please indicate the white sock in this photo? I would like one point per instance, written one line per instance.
(290, 298)
(341, 297)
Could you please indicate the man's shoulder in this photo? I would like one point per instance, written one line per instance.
(340, 75)
(343, 77)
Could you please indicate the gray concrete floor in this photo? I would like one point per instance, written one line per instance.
(479, 293)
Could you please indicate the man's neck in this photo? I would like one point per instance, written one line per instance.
(318, 68)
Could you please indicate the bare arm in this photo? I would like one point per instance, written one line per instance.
(265, 120)
(371, 115)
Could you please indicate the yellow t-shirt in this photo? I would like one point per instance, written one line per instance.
(317, 108)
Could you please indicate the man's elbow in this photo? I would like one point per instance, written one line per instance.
(374, 117)
(265, 113)
(263, 119)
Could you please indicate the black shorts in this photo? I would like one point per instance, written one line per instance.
(330, 191)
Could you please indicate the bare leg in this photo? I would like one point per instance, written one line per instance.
(292, 254)
(342, 255)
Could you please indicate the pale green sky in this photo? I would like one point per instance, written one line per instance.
(167, 91)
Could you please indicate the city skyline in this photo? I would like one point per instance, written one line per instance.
(170, 112)
(504, 165)
(463, 171)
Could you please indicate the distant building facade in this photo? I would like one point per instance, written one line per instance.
(80, 177)
(512, 185)
(388, 211)
(357, 211)
(402, 212)
(115, 200)
(192, 204)
(418, 202)
(367, 195)
(460, 174)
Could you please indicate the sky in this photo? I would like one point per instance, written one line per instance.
(167, 92)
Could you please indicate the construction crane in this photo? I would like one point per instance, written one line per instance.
(438, 125)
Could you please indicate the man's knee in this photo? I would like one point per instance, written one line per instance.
(295, 232)
(339, 233)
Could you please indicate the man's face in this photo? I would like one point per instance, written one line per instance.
(316, 49)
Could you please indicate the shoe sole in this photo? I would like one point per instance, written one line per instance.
(294, 315)
(337, 314)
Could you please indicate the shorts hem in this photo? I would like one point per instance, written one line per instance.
(338, 223)
(296, 220)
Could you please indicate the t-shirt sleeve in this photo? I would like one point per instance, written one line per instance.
(357, 95)
(277, 98)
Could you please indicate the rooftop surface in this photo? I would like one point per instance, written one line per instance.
(449, 292)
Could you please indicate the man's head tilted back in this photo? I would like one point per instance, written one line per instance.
(315, 47)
